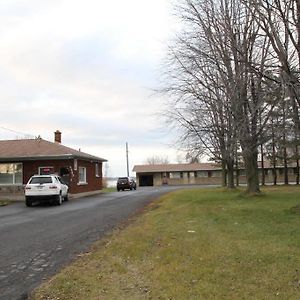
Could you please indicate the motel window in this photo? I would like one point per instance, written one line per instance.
(11, 174)
(242, 172)
(216, 174)
(97, 173)
(280, 171)
(175, 175)
(82, 175)
(202, 174)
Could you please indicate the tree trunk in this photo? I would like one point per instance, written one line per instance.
(285, 170)
(296, 130)
(274, 155)
(224, 173)
(250, 159)
(263, 181)
(230, 172)
(237, 173)
(286, 176)
(237, 177)
(297, 167)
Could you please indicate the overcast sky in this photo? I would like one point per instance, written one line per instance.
(86, 68)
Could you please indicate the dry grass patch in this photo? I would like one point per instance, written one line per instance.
(194, 244)
(5, 202)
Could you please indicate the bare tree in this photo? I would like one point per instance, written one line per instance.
(217, 75)
(154, 160)
(280, 21)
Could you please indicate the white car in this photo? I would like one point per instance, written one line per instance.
(46, 188)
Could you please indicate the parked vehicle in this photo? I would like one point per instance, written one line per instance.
(50, 188)
(124, 183)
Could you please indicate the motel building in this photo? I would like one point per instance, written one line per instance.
(200, 174)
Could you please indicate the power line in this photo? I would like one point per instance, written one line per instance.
(17, 132)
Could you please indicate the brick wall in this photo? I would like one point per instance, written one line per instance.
(93, 183)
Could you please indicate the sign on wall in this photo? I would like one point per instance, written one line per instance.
(46, 170)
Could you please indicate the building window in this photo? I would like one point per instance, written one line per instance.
(11, 174)
(97, 173)
(175, 175)
(75, 164)
(202, 174)
(82, 175)
(216, 173)
(242, 172)
(280, 171)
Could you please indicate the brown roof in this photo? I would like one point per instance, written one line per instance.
(32, 149)
(175, 168)
(191, 167)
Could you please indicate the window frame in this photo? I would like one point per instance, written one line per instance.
(84, 173)
(14, 175)
(97, 170)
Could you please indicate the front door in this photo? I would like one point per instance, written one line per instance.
(65, 175)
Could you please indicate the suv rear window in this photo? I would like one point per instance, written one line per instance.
(123, 179)
(41, 180)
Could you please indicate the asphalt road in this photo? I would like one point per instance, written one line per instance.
(36, 242)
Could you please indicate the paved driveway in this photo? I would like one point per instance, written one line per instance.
(36, 242)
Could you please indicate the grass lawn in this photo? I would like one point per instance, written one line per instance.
(109, 189)
(5, 202)
(195, 244)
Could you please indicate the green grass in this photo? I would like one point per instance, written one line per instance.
(109, 190)
(195, 244)
(5, 202)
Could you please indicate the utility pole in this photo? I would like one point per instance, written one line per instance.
(127, 161)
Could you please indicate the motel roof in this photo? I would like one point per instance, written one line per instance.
(176, 167)
(160, 168)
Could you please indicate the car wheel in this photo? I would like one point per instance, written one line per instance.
(28, 202)
(59, 199)
(66, 197)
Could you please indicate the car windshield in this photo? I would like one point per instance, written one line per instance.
(40, 180)
(125, 179)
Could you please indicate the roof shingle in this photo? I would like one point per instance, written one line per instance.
(175, 167)
(29, 149)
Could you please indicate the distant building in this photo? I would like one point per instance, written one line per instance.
(20, 159)
(178, 174)
(198, 173)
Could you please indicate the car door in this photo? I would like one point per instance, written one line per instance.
(64, 187)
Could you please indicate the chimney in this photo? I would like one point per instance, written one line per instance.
(57, 137)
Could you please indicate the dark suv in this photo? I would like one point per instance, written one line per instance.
(126, 183)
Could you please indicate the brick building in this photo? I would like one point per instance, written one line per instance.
(20, 159)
